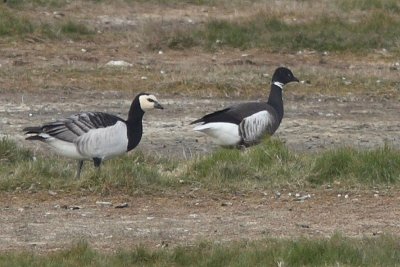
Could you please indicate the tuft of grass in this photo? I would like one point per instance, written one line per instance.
(334, 251)
(68, 29)
(14, 24)
(378, 166)
(10, 153)
(34, 3)
(135, 173)
(366, 5)
(266, 165)
(74, 29)
(11, 24)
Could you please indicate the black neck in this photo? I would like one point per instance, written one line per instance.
(134, 125)
(275, 100)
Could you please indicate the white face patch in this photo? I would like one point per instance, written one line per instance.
(279, 84)
(147, 102)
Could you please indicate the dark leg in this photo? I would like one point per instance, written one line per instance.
(78, 171)
(97, 162)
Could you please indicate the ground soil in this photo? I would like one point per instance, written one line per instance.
(41, 223)
(45, 221)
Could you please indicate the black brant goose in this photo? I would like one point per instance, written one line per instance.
(247, 123)
(95, 136)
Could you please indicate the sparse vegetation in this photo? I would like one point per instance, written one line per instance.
(391, 6)
(334, 251)
(16, 24)
(377, 29)
(11, 24)
(266, 166)
(34, 3)
(327, 33)
(10, 153)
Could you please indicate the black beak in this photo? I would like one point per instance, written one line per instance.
(295, 79)
(158, 105)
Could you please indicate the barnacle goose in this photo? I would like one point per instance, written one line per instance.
(246, 124)
(95, 136)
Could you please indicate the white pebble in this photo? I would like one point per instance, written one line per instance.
(119, 63)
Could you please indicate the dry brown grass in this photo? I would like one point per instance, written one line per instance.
(133, 31)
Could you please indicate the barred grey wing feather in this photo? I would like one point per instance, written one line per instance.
(71, 128)
(256, 126)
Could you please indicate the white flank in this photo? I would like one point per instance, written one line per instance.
(62, 148)
(254, 127)
(104, 143)
(224, 134)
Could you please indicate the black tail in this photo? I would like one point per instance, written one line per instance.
(35, 137)
(32, 130)
(35, 131)
(197, 121)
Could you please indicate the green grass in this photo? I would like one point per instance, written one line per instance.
(10, 153)
(379, 166)
(35, 3)
(376, 30)
(132, 174)
(11, 24)
(334, 251)
(340, 31)
(14, 24)
(270, 165)
(391, 6)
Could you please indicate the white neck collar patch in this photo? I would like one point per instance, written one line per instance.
(280, 85)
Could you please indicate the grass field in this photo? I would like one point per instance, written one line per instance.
(205, 49)
(334, 251)
(270, 165)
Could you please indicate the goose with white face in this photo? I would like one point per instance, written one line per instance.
(148, 102)
(96, 136)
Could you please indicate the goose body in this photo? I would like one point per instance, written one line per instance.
(246, 124)
(95, 136)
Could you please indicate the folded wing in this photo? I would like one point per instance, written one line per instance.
(253, 128)
(71, 128)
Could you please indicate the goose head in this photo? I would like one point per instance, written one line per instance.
(149, 101)
(283, 76)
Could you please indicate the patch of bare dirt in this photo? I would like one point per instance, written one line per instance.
(29, 223)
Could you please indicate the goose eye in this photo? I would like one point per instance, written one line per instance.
(150, 100)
